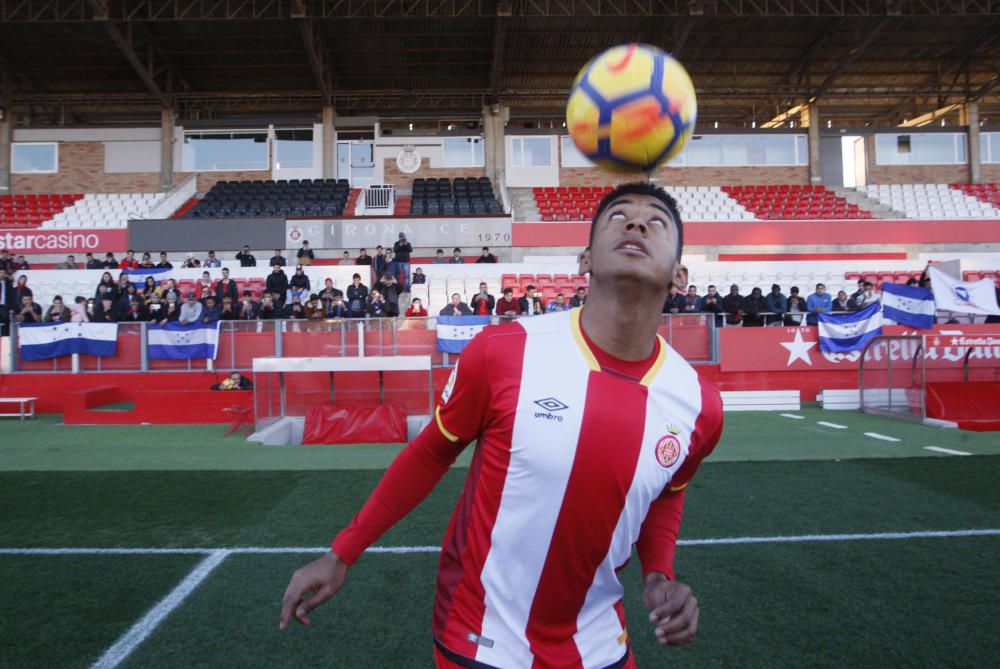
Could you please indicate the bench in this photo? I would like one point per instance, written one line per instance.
(761, 400)
(840, 400)
(23, 402)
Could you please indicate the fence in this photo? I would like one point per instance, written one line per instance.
(693, 336)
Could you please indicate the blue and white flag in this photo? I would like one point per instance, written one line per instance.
(41, 341)
(908, 305)
(454, 332)
(965, 297)
(183, 342)
(138, 276)
(843, 332)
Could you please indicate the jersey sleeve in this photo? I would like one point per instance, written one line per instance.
(658, 537)
(418, 468)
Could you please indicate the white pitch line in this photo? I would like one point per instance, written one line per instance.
(947, 451)
(142, 629)
(791, 415)
(835, 426)
(881, 437)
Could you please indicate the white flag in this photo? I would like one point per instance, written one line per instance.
(967, 297)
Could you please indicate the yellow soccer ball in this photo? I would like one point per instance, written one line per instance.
(631, 108)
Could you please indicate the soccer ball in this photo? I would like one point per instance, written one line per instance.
(631, 108)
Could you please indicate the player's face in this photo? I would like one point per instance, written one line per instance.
(635, 238)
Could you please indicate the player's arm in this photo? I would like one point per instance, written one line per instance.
(458, 419)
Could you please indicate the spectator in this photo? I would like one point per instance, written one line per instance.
(170, 289)
(416, 309)
(245, 257)
(483, 303)
(58, 312)
(486, 256)
(456, 257)
(69, 263)
(314, 309)
(818, 303)
(419, 277)
(391, 266)
(21, 290)
(190, 262)
(129, 261)
(777, 304)
(676, 302)
(531, 304)
(248, 309)
(911, 282)
(377, 306)
(868, 296)
(693, 302)
(796, 307)
(305, 254)
(558, 304)
(93, 263)
(164, 263)
(456, 307)
(277, 259)
(842, 303)
(294, 309)
(345, 259)
(149, 289)
(125, 297)
(204, 286)
(155, 309)
(7, 263)
(212, 261)
(583, 262)
(277, 283)
(379, 264)
(267, 311)
(78, 310)
(357, 298)
(171, 310)
(439, 258)
(579, 299)
(364, 258)
(147, 261)
(134, 311)
(732, 304)
(226, 286)
(755, 305)
(329, 292)
(190, 310)
(227, 312)
(333, 300)
(856, 295)
(210, 312)
(105, 310)
(110, 262)
(90, 308)
(298, 285)
(390, 290)
(507, 305)
(7, 300)
(402, 250)
(123, 283)
(106, 286)
(21, 264)
(712, 304)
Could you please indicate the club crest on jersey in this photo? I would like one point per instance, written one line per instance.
(668, 449)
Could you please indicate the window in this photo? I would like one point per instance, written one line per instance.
(531, 152)
(571, 156)
(462, 152)
(937, 148)
(293, 148)
(216, 151)
(744, 151)
(989, 147)
(34, 158)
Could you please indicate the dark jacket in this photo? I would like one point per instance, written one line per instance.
(402, 250)
(277, 260)
(277, 283)
(299, 281)
(677, 301)
(251, 313)
(246, 259)
(488, 258)
(223, 288)
(357, 300)
(477, 298)
(733, 305)
(754, 305)
(462, 310)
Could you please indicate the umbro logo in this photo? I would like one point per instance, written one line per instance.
(550, 404)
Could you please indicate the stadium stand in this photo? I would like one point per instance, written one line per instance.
(931, 200)
(989, 193)
(295, 197)
(104, 210)
(461, 197)
(578, 203)
(793, 202)
(23, 211)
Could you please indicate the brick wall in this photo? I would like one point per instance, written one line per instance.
(690, 176)
(990, 173)
(81, 170)
(397, 178)
(208, 179)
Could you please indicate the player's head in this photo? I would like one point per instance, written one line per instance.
(637, 233)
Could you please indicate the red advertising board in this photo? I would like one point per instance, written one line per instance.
(64, 241)
(779, 349)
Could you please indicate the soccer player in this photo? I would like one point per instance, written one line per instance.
(585, 438)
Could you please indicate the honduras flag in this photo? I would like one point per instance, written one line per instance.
(840, 333)
(454, 332)
(183, 342)
(908, 305)
(41, 341)
(138, 275)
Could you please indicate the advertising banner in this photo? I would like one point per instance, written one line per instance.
(64, 241)
(367, 233)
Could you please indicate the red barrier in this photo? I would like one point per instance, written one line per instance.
(335, 424)
(973, 405)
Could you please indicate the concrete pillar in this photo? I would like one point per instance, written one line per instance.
(494, 151)
(166, 149)
(975, 157)
(329, 142)
(6, 139)
(810, 118)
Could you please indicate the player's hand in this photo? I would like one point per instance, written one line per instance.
(322, 578)
(673, 609)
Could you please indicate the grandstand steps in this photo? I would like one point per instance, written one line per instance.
(877, 209)
(351, 208)
(186, 207)
(522, 201)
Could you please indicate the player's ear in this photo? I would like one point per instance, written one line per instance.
(680, 280)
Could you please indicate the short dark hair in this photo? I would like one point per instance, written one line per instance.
(508, 289)
(356, 276)
(439, 251)
(866, 284)
(457, 250)
(641, 188)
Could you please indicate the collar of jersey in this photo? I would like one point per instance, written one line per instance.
(588, 354)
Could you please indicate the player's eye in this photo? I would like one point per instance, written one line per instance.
(617, 216)
(657, 221)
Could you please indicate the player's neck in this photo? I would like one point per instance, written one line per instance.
(623, 324)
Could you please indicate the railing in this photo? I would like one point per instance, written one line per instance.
(893, 387)
(693, 336)
(379, 197)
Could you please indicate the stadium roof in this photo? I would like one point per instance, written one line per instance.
(865, 61)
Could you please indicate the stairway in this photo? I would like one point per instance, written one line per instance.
(522, 201)
(877, 209)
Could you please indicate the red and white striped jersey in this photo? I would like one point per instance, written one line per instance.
(571, 458)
